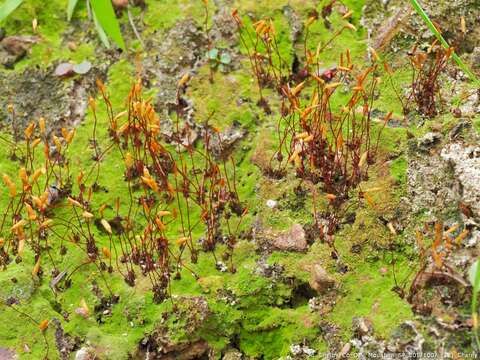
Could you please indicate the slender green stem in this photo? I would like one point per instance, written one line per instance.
(476, 288)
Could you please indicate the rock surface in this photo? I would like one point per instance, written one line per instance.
(431, 183)
(85, 353)
(14, 48)
(7, 354)
(162, 344)
(233, 354)
(466, 163)
(291, 240)
(320, 280)
(36, 93)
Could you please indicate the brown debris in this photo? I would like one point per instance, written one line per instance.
(18, 45)
(389, 29)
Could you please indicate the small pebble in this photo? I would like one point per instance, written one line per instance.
(272, 203)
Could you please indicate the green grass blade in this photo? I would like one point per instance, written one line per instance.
(418, 8)
(7, 7)
(105, 14)
(71, 8)
(101, 33)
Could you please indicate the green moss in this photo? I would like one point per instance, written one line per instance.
(52, 24)
(222, 325)
(268, 333)
(162, 15)
(476, 124)
(268, 7)
(398, 170)
(218, 101)
(254, 310)
(369, 293)
(372, 268)
(114, 335)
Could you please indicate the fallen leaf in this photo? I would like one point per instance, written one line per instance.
(64, 70)
(82, 68)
